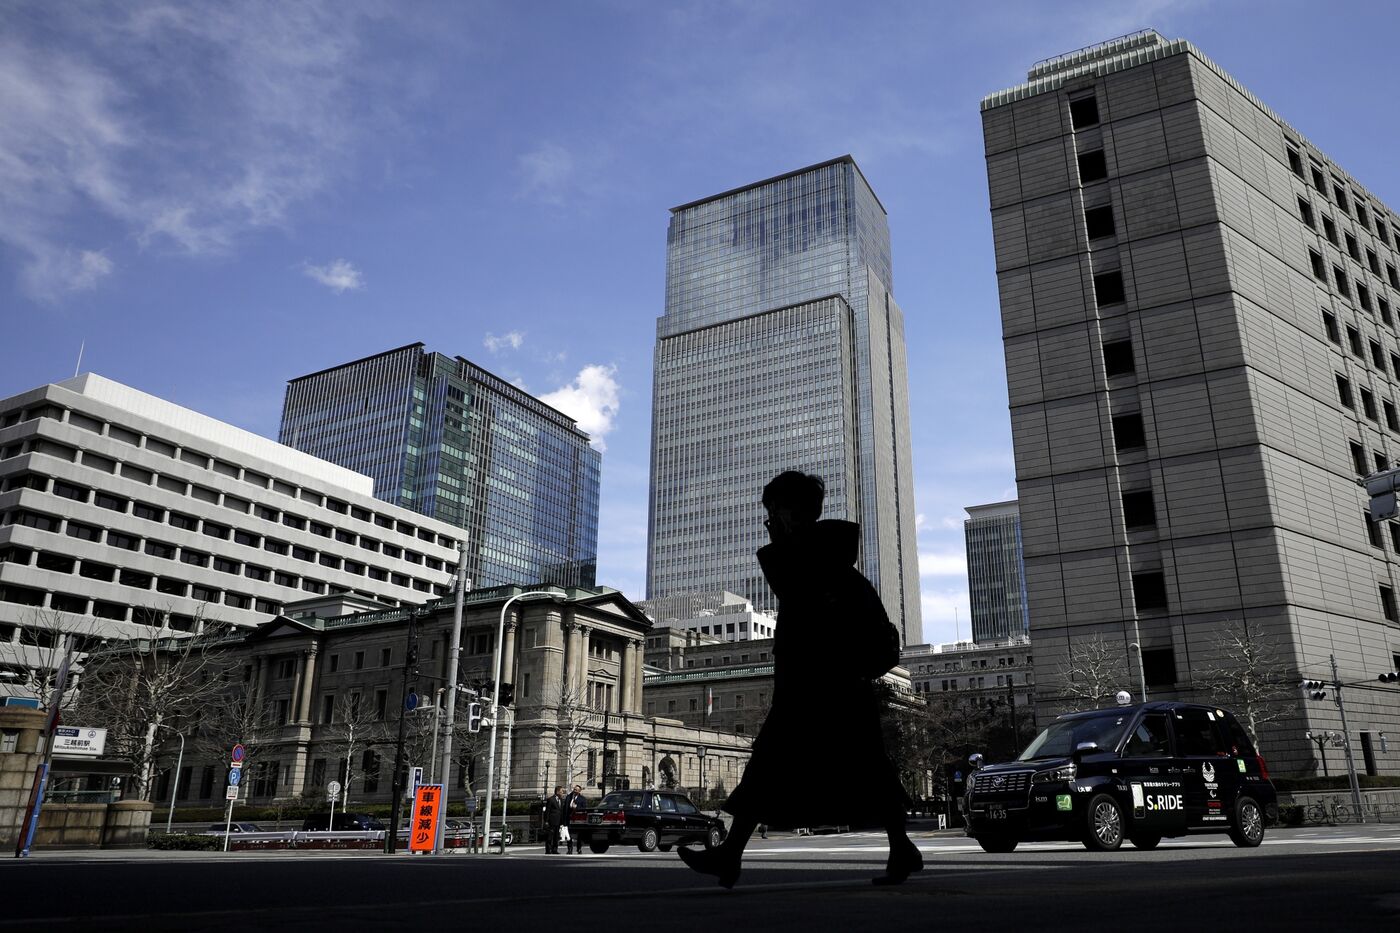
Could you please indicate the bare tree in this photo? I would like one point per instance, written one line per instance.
(1096, 670)
(239, 714)
(575, 722)
(46, 637)
(134, 686)
(1252, 676)
(354, 727)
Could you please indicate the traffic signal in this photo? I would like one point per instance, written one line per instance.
(507, 695)
(473, 717)
(1316, 689)
(1390, 678)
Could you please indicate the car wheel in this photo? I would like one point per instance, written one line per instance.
(598, 847)
(1103, 824)
(1144, 841)
(998, 843)
(1247, 829)
(713, 838)
(650, 840)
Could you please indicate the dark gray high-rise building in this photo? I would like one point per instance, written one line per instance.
(1198, 309)
(996, 584)
(448, 439)
(781, 348)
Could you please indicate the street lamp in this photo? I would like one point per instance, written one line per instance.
(179, 763)
(495, 711)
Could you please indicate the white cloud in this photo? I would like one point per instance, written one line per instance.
(546, 173)
(338, 275)
(948, 564)
(591, 400)
(52, 273)
(512, 339)
(946, 616)
(172, 126)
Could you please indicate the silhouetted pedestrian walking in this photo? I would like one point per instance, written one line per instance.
(833, 641)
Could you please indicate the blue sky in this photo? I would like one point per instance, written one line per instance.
(217, 197)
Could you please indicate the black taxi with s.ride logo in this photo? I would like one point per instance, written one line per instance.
(1139, 773)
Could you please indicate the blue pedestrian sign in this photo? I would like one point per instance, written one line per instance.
(234, 776)
(411, 703)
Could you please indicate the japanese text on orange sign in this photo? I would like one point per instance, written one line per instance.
(422, 823)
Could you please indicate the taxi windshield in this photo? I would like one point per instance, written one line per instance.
(1059, 739)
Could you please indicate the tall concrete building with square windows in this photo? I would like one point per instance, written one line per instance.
(1199, 315)
(996, 580)
(781, 348)
(447, 439)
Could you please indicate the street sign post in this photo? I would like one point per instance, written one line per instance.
(235, 777)
(415, 778)
(332, 792)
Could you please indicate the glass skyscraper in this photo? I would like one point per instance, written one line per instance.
(448, 439)
(781, 347)
(996, 578)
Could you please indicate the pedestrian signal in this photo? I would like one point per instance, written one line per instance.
(473, 717)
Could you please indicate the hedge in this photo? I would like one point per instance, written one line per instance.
(1334, 782)
(184, 842)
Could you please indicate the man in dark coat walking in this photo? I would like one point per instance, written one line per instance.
(832, 642)
(553, 816)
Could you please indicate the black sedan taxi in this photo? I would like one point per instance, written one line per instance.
(648, 819)
(1139, 773)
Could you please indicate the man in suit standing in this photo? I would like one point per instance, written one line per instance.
(553, 816)
(574, 803)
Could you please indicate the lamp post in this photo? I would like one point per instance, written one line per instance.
(175, 785)
(453, 654)
(495, 711)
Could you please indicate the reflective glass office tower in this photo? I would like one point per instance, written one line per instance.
(781, 347)
(448, 439)
(996, 579)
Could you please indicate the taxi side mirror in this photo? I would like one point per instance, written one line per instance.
(1084, 748)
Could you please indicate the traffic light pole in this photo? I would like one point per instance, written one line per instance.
(1346, 740)
(496, 714)
(453, 654)
(410, 661)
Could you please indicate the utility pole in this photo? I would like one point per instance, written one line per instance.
(1346, 740)
(453, 654)
(410, 670)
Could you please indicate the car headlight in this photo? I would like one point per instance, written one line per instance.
(971, 781)
(1055, 774)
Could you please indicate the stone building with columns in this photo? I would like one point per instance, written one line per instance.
(573, 654)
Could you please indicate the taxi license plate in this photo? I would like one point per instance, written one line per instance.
(595, 818)
(996, 811)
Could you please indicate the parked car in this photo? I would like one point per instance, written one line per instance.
(649, 819)
(1139, 773)
(217, 829)
(321, 822)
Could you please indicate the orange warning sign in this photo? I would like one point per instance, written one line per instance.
(423, 821)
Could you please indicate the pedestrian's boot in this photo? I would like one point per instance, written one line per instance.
(570, 850)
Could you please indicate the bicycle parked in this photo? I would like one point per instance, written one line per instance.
(1335, 810)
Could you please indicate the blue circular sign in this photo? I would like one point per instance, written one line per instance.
(412, 702)
(234, 776)
(238, 753)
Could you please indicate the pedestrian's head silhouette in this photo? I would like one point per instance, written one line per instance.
(793, 500)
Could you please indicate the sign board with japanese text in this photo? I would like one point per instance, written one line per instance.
(231, 793)
(423, 822)
(79, 740)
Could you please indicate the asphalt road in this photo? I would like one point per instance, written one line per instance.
(1318, 879)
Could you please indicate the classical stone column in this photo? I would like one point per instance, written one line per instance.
(292, 711)
(639, 653)
(308, 683)
(508, 650)
(581, 668)
(570, 659)
(625, 675)
(259, 685)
